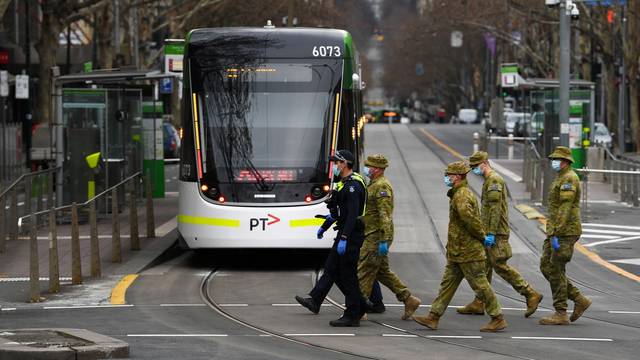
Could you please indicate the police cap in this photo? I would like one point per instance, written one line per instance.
(343, 155)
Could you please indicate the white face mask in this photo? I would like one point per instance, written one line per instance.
(366, 171)
(336, 170)
(556, 165)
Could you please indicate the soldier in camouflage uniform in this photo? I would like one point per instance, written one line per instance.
(563, 230)
(378, 219)
(465, 253)
(495, 218)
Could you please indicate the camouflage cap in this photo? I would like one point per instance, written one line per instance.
(561, 152)
(377, 160)
(457, 168)
(478, 157)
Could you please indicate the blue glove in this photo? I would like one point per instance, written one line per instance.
(320, 233)
(383, 248)
(555, 243)
(489, 240)
(342, 246)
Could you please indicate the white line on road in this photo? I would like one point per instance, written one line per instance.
(594, 236)
(612, 241)
(319, 334)
(454, 336)
(294, 305)
(8, 309)
(611, 232)
(506, 172)
(233, 305)
(177, 335)
(19, 279)
(612, 226)
(617, 312)
(167, 227)
(557, 338)
(635, 261)
(400, 335)
(86, 307)
(181, 305)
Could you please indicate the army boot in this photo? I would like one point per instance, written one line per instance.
(430, 320)
(582, 303)
(411, 304)
(558, 318)
(497, 323)
(533, 300)
(476, 307)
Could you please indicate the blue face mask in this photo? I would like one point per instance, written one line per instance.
(476, 170)
(336, 170)
(555, 165)
(447, 181)
(366, 171)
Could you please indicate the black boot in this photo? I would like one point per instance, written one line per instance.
(377, 308)
(309, 303)
(345, 322)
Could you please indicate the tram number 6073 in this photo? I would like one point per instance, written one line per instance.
(324, 51)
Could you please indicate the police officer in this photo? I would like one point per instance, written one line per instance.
(341, 265)
(495, 219)
(563, 230)
(378, 219)
(465, 253)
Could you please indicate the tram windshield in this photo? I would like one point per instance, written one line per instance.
(265, 122)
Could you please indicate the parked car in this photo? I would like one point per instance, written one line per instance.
(468, 116)
(516, 123)
(171, 141)
(601, 135)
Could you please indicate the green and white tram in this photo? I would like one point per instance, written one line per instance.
(263, 108)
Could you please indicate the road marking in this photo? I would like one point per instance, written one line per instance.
(506, 172)
(120, 290)
(167, 227)
(181, 305)
(18, 279)
(612, 226)
(400, 335)
(454, 336)
(85, 307)
(233, 305)
(594, 236)
(319, 334)
(617, 312)
(294, 305)
(596, 243)
(557, 338)
(8, 309)
(177, 335)
(635, 261)
(611, 232)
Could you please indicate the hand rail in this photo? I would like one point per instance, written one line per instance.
(24, 176)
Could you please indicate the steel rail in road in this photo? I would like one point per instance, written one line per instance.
(208, 299)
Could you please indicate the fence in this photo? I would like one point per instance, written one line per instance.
(532, 170)
(12, 162)
(493, 144)
(624, 177)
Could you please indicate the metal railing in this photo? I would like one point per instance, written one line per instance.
(623, 177)
(12, 162)
(483, 142)
(28, 187)
(116, 247)
(532, 170)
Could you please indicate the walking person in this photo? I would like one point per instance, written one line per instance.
(465, 253)
(495, 220)
(378, 219)
(563, 231)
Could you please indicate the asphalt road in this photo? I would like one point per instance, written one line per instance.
(220, 305)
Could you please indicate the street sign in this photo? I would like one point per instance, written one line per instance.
(509, 75)
(166, 86)
(4, 83)
(173, 55)
(22, 86)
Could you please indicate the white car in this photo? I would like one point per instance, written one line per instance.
(467, 116)
(601, 134)
(515, 122)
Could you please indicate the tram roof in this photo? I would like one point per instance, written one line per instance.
(276, 42)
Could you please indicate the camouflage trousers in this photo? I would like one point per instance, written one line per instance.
(497, 257)
(552, 266)
(372, 267)
(475, 274)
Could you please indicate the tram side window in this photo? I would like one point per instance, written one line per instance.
(345, 138)
(187, 150)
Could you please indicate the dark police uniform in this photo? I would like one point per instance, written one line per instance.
(350, 198)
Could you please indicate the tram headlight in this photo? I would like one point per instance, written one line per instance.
(204, 188)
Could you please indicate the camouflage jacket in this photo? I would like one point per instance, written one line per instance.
(465, 238)
(378, 218)
(564, 205)
(495, 211)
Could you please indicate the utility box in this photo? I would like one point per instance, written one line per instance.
(80, 143)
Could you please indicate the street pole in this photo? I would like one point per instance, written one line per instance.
(622, 87)
(565, 69)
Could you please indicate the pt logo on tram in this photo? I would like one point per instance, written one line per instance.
(263, 222)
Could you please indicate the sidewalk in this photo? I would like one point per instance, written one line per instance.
(14, 262)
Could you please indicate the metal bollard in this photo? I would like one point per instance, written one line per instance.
(13, 215)
(151, 227)
(50, 191)
(133, 219)
(54, 267)
(510, 148)
(497, 148)
(623, 185)
(96, 270)
(39, 193)
(116, 249)
(27, 195)
(76, 264)
(476, 139)
(636, 189)
(614, 178)
(34, 265)
(3, 234)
